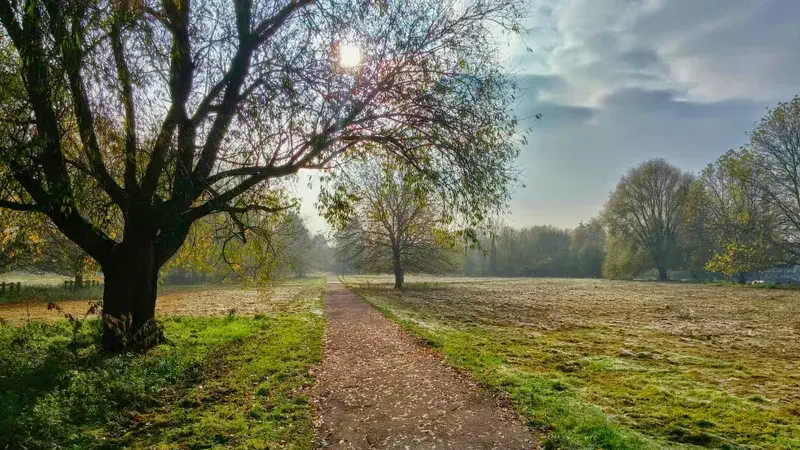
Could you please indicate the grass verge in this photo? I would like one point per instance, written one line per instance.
(227, 382)
(565, 422)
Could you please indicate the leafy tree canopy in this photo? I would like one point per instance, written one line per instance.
(172, 111)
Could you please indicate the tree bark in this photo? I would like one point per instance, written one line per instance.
(741, 278)
(399, 280)
(397, 262)
(129, 298)
(78, 281)
(662, 274)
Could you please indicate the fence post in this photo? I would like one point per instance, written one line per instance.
(19, 287)
(2, 288)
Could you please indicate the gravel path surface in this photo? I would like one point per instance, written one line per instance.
(378, 389)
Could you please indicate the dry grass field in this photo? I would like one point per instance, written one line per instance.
(597, 363)
(215, 300)
(27, 278)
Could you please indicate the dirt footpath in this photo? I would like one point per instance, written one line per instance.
(378, 389)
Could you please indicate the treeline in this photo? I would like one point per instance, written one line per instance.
(539, 251)
(739, 216)
(271, 247)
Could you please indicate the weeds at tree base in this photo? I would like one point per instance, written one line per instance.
(151, 333)
(76, 323)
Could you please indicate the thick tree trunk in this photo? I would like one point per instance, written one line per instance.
(399, 280)
(741, 278)
(662, 274)
(79, 281)
(397, 263)
(129, 298)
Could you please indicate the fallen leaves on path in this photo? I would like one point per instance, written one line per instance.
(378, 389)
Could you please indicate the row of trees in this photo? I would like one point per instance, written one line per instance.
(538, 251)
(279, 246)
(741, 214)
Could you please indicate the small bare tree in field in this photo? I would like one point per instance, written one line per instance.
(398, 226)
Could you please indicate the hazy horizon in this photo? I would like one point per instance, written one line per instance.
(621, 81)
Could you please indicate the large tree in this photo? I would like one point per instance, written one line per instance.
(647, 207)
(175, 110)
(398, 225)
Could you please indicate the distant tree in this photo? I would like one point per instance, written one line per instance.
(345, 255)
(323, 253)
(545, 251)
(624, 258)
(538, 251)
(400, 226)
(174, 111)
(587, 245)
(507, 255)
(493, 257)
(742, 225)
(696, 238)
(304, 252)
(648, 208)
(775, 148)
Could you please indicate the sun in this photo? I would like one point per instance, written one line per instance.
(349, 55)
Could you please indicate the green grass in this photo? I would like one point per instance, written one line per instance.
(581, 392)
(548, 402)
(225, 382)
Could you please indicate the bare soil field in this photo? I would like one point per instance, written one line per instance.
(650, 364)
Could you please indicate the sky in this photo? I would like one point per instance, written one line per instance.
(618, 82)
